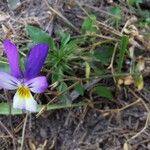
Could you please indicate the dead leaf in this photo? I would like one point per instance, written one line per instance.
(140, 63)
(139, 82)
(128, 80)
(131, 30)
(120, 81)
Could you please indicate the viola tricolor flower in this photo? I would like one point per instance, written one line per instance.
(26, 81)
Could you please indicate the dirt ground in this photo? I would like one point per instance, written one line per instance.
(101, 127)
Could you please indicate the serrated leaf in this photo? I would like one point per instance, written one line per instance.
(39, 36)
(103, 91)
(122, 50)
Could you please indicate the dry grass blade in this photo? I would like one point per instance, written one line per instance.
(3, 126)
(10, 134)
(23, 131)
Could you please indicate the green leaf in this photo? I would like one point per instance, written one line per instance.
(80, 89)
(100, 71)
(65, 38)
(103, 54)
(57, 75)
(39, 36)
(134, 2)
(103, 91)
(64, 98)
(61, 59)
(122, 50)
(116, 12)
(62, 87)
(89, 24)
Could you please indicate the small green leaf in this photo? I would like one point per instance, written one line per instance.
(103, 54)
(65, 38)
(103, 91)
(80, 89)
(134, 2)
(64, 98)
(62, 87)
(89, 24)
(122, 50)
(116, 12)
(39, 36)
(57, 75)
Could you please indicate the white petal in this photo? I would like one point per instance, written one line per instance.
(8, 82)
(18, 102)
(25, 103)
(31, 105)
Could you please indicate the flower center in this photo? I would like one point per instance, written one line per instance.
(24, 92)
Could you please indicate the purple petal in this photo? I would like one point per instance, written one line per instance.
(12, 55)
(38, 84)
(8, 82)
(35, 60)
